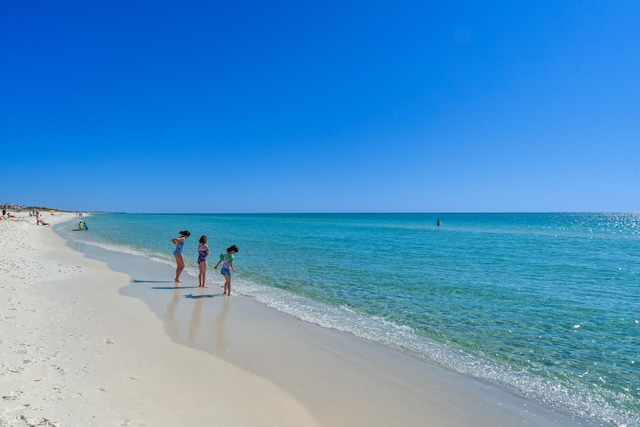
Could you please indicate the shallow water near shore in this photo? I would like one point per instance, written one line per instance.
(545, 305)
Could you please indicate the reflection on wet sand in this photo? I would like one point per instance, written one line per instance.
(172, 325)
(215, 316)
(196, 313)
(219, 329)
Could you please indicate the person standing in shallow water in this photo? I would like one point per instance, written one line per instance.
(179, 242)
(203, 253)
(227, 267)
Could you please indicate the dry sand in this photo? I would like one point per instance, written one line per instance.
(75, 351)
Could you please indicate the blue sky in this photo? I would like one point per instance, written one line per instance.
(321, 106)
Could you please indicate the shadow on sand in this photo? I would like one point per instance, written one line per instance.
(192, 296)
(151, 281)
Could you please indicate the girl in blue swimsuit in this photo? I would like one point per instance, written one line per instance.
(179, 242)
(203, 253)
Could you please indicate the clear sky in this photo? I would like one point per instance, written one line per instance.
(320, 106)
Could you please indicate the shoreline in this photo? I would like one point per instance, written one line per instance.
(322, 376)
(75, 352)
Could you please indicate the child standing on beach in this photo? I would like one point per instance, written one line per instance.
(179, 242)
(203, 253)
(227, 267)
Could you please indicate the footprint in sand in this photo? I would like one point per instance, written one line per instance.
(59, 369)
(37, 421)
(14, 395)
(15, 369)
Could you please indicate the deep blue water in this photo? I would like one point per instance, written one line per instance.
(547, 305)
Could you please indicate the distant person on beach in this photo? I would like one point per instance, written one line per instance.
(85, 227)
(80, 226)
(203, 253)
(227, 267)
(179, 242)
(41, 222)
(438, 222)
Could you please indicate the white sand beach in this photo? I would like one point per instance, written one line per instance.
(76, 352)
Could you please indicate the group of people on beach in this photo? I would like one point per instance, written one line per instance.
(39, 221)
(7, 215)
(226, 260)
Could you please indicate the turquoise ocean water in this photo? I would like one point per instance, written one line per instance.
(545, 305)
